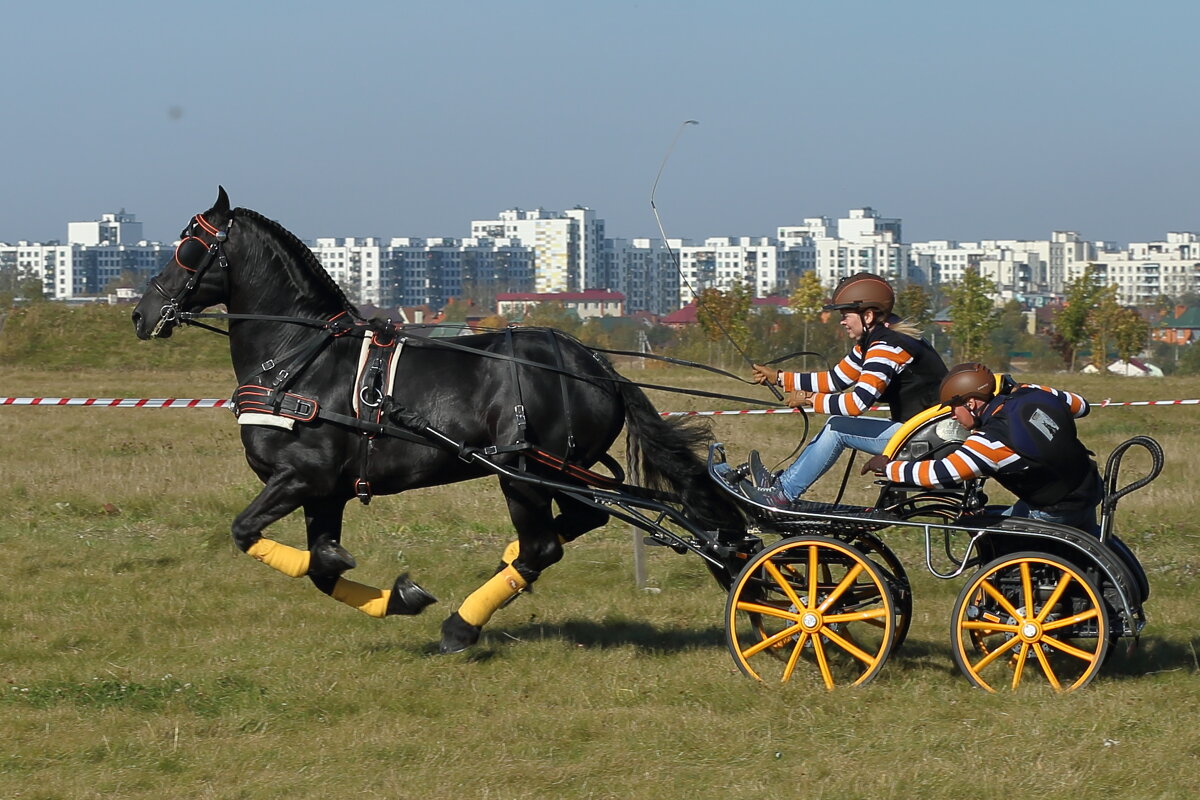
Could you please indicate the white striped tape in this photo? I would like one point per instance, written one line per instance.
(178, 402)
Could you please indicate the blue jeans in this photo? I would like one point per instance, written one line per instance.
(1084, 519)
(869, 434)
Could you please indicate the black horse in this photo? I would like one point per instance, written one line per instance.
(341, 407)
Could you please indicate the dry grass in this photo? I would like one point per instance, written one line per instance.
(143, 657)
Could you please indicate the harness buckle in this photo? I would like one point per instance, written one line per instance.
(520, 414)
(281, 377)
(268, 365)
(362, 490)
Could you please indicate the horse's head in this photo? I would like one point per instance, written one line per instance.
(194, 279)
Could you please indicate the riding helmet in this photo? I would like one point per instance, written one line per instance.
(965, 381)
(861, 291)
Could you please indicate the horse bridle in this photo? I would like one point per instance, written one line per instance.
(192, 248)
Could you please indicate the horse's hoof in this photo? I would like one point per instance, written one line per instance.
(408, 598)
(458, 634)
(330, 558)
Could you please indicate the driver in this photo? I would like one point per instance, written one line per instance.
(890, 362)
(1024, 435)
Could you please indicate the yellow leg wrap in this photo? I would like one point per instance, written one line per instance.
(367, 599)
(510, 552)
(483, 602)
(514, 547)
(286, 559)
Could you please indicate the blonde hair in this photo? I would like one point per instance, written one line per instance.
(907, 327)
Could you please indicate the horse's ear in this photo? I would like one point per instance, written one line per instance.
(222, 204)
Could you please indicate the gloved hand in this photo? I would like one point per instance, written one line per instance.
(765, 375)
(875, 464)
(798, 398)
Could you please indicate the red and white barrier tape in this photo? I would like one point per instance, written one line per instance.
(173, 402)
(113, 402)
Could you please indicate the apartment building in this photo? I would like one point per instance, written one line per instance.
(724, 262)
(862, 241)
(96, 254)
(1147, 271)
(645, 271)
(566, 244)
(542, 251)
(356, 264)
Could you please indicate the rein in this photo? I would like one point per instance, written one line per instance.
(338, 329)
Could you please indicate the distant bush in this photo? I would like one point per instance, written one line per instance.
(58, 336)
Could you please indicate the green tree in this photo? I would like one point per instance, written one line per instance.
(1070, 323)
(808, 297)
(1101, 322)
(724, 315)
(455, 311)
(914, 304)
(491, 322)
(972, 315)
(1130, 333)
(1009, 335)
(807, 300)
(553, 315)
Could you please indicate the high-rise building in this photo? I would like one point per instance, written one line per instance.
(566, 245)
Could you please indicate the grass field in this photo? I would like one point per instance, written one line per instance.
(144, 657)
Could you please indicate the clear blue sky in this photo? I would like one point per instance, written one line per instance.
(967, 119)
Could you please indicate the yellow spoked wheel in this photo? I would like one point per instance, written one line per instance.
(811, 601)
(897, 579)
(1030, 618)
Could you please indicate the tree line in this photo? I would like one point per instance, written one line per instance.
(1090, 327)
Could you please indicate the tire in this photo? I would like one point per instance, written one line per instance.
(1030, 618)
(812, 602)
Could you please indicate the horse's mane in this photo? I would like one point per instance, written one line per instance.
(302, 252)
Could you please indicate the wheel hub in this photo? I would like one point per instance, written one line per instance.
(810, 621)
(1030, 631)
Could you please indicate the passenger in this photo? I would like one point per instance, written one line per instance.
(1024, 435)
(890, 362)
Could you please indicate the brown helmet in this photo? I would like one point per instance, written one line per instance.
(967, 380)
(861, 291)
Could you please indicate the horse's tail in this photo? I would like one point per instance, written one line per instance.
(664, 454)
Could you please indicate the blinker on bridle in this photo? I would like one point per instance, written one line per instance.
(195, 256)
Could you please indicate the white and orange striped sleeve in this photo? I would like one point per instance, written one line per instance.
(978, 455)
(1075, 402)
(842, 376)
(880, 366)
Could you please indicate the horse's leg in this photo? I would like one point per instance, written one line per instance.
(573, 520)
(540, 537)
(323, 519)
(326, 559)
(278, 498)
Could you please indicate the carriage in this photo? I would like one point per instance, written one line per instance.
(334, 407)
(1042, 602)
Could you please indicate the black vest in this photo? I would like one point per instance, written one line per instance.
(1041, 429)
(916, 388)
